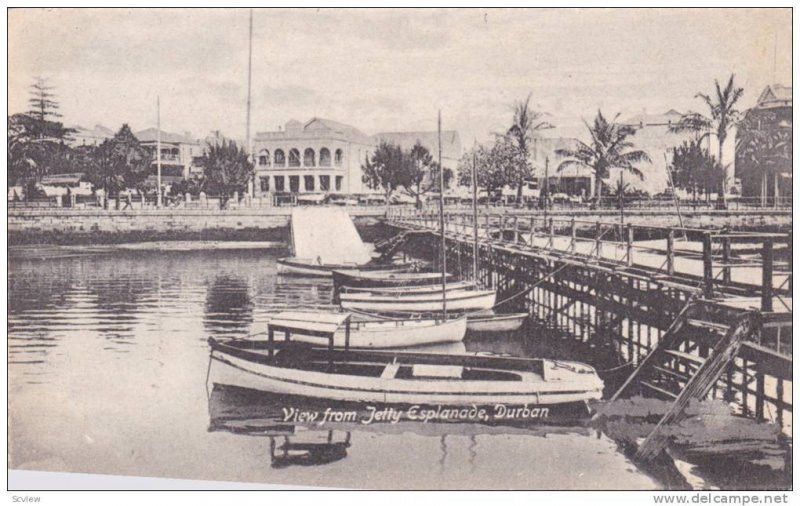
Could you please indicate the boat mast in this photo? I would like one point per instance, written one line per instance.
(158, 148)
(252, 182)
(474, 217)
(441, 221)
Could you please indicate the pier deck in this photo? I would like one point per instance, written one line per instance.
(620, 287)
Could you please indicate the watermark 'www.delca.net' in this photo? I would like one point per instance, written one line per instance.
(714, 498)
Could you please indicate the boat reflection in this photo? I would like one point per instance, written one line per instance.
(321, 449)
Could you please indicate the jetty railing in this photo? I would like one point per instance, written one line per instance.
(740, 264)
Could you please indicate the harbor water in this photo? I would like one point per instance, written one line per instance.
(108, 358)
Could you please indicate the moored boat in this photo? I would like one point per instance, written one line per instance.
(466, 300)
(398, 378)
(382, 333)
(496, 322)
(362, 278)
(315, 267)
(412, 289)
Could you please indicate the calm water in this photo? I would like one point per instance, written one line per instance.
(108, 361)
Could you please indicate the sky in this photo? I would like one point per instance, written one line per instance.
(388, 69)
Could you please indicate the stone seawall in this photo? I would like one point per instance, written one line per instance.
(71, 226)
(91, 226)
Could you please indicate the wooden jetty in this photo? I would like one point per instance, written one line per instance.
(690, 313)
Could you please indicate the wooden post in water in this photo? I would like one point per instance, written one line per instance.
(671, 252)
(766, 276)
(629, 244)
(708, 271)
(726, 259)
(572, 244)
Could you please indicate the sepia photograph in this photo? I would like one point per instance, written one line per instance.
(540, 249)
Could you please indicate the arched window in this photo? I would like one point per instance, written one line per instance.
(337, 157)
(324, 157)
(263, 158)
(280, 158)
(294, 158)
(308, 157)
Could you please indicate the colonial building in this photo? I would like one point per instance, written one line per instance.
(765, 169)
(653, 136)
(319, 156)
(325, 156)
(178, 155)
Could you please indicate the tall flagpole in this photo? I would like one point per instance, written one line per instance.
(474, 215)
(158, 147)
(441, 221)
(249, 92)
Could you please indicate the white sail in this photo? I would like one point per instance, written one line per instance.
(327, 236)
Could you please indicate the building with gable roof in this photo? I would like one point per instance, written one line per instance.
(178, 155)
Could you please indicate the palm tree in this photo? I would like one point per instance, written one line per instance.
(526, 122)
(724, 116)
(609, 149)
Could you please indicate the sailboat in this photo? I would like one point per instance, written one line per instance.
(325, 239)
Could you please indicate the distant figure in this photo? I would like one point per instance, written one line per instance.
(319, 260)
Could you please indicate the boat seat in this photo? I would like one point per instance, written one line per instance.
(390, 371)
(436, 371)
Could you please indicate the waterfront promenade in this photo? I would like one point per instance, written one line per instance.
(43, 225)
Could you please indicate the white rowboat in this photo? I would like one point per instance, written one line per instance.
(466, 300)
(399, 378)
(311, 267)
(395, 333)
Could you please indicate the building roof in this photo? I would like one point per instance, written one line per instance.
(336, 127)
(775, 95)
(151, 135)
(56, 179)
(451, 142)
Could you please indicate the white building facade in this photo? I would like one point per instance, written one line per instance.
(319, 156)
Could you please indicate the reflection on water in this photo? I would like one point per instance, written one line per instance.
(107, 367)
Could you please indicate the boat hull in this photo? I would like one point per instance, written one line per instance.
(496, 323)
(306, 267)
(411, 289)
(228, 370)
(456, 301)
(395, 334)
(356, 279)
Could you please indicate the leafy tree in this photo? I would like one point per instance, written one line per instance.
(694, 169)
(386, 169)
(227, 169)
(418, 176)
(723, 116)
(609, 148)
(490, 176)
(525, 123)
(763, 149)
(36, 140)
(119, 162)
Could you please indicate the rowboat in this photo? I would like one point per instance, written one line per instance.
(413, 289)
(496, 322)
(383, 333)
(362, 278)
(291, 368)
(466, 300)
(314, 267)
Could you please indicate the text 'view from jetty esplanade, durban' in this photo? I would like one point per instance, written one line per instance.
(401, 248)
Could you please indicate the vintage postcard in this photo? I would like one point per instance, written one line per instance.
(407, 248)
